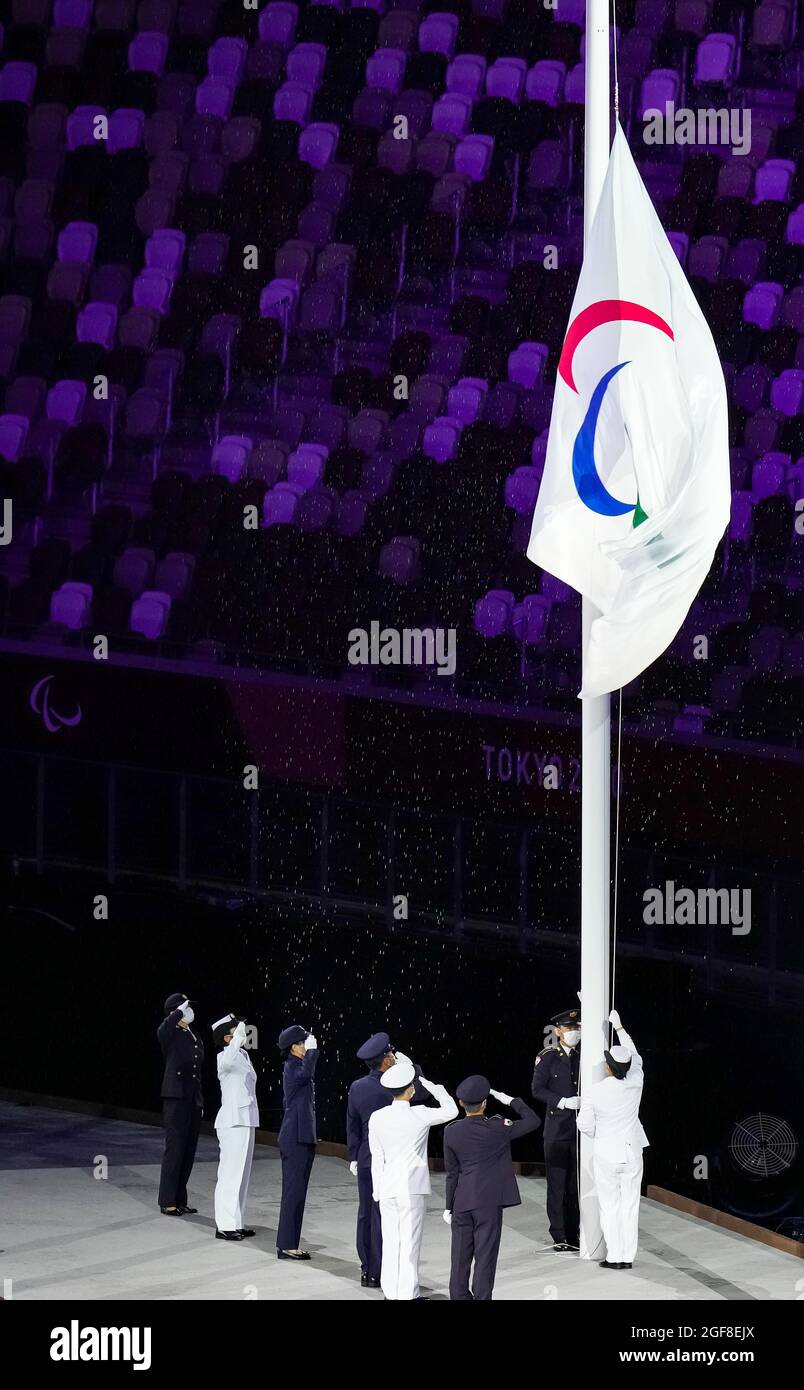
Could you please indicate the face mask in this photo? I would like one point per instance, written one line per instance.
(572, 1038)
(188, 1014)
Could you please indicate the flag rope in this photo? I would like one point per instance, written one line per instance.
(614, 46)
(616, 849)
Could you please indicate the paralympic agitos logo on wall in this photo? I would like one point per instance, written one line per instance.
(589, 485)
(53, 719)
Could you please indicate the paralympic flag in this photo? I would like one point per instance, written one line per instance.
(636, 488)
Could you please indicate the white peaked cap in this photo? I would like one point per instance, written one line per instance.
(227, 1018)
(620, 1054)
(397, 1077)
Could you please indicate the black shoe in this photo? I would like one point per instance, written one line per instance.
(421, 1298)
(171, 1211)
(244, 1232)
(573, 1244)
(560, 1247)
(228, 1235)
(292, 1255)
(604, 1264)
(188, 1211)
(369, 1283)
(626, 1265)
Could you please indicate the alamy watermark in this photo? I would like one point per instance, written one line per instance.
(672, 906)
(408, 646)
(679, 125)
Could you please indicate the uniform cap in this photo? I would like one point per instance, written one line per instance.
(474, 1090)
(175, 1001)
(224, 1025)
(567, 1017)
(397, 1077)
(294, 1034)
(619, 1059)
(377, 1046)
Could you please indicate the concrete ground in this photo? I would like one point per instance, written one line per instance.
(66, 1234)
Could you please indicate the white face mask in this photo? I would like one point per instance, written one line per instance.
(188, 1014)
(572, 1038)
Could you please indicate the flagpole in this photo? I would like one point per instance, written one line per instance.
(595, 713)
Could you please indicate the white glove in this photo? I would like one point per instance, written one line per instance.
(447, 1215)
(501, 1097)
(353, 1168)
(615, 1020)
(310, 1043)
(428, 1085)
(401, 1057)
(186, 1009)
(240, 1033)
(569, 1103)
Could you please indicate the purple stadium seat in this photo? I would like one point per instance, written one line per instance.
(18, 82)
(548, 168)
(227, 60)
(735, 179)
(793, 309)
(438, 33)
(660, 86)
(435, 153)
(385, 69)
(65, 402)
(763, 303)
(318, 143)
(214, 97)
(208, 254)
(230, 457)
(506, 79)
(111, 284)
(427, 398)
(126, 129)
(293, 102)
(153, 210)
(529, 619)
(441, 439)
(280, 504)
(377, 477)
(416, 107)
(707, 257)
(545, 81)
(148, 53)
(794, 232)
(466, 75)
(521, 490)
(752, 386)
(174, 574)
(164, 251)
(372, 109)
(399, 560)
(555, 589)
(278, 300)
(77, 242)
(295, 261)
(269, 461)
(397, 30)
(162, 132)
(466, 398)
(151, 290)
(306, 63)
(773, 180)
(26, 396)
(526, 364)
(680, 243)
(771, 26)
(306, 466)
(398, 156)
(176, 93)
(71, 605)
(240, 139)
(452, 114)
(157, 14)
(746, 261)
(366, 430)
(761, 432)
(13, 433)
(473, 156)
(150, 614)
(491, 617)
(501, 405)
(81, 126)
(575, 85)
(277, 23)
(716, 60)
(97, 323)
(72, 14)
(787, 391)
(352, 513)
(768, 475)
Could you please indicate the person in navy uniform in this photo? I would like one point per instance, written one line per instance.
(182, 1102)
(366, 1095)
(556, 1079)
(297, 1136)
(480, 1183)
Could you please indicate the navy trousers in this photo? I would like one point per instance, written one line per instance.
(562, 1190)
(475, 1236)
(369, 1226)
(182, 1121)
(297, 1161)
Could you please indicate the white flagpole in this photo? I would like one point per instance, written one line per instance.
(595, 713)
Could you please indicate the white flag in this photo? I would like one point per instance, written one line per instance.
(636, 488)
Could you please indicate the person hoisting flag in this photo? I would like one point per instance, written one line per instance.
(636, 489)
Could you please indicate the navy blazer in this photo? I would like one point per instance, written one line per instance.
(183, 1053)
(477, 1158)
(555, 1074)
(298, 1093)
(366, 1095)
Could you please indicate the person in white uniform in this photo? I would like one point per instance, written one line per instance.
(235, 1123)
(610, 1115)
(397, 1136)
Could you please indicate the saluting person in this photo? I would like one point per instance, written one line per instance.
(400, 1175)
(182, 1102)
(480, 1184)
(556, 1077)
(610, 1115)
(297, 1135)
(235, 1123)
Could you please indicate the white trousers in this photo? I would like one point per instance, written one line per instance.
(402, 1221)
(618, 1187)
(234, 1171)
